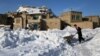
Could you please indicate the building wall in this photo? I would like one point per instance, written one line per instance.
(84, 24)
(18, 22)
(3, 19)
(24, 17)
(76, 16)
(53, 23)
(71, 16)
(34, 21)
(95, 20)
(65, 17)
(31, 19)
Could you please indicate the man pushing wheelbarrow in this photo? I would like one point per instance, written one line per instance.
(70, 37)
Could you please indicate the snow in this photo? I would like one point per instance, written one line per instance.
(31, 10)
(23, 42)
(90, 48)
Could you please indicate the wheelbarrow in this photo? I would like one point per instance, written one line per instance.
(69, 38)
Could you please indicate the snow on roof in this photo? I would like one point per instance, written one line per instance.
(33, 10)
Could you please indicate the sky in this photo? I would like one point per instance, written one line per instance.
(88, 7)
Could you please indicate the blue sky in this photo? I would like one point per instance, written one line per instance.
(88, 7)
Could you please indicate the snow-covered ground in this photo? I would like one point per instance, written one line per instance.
(23, 42)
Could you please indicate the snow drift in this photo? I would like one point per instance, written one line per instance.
(34, 43)
(23, 42)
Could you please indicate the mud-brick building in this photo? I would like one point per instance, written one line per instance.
(43, 19)
(5, 21)
(35, 21)
(95, 20)
(50, 23)
(75, 17)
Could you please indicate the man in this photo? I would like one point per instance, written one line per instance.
(80, 38)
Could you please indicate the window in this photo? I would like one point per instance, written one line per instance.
(35, 17)
(34, 26)
(73, 17)
(44, 16)
(77, 17)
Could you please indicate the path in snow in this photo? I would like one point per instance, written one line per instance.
(90, 48)
(84, 51)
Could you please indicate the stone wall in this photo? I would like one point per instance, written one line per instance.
(84, 24)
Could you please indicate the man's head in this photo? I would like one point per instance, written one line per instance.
(75, 25)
